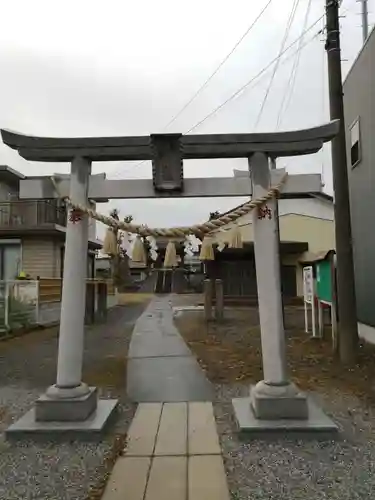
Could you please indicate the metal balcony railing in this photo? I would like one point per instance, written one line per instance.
(30, 214)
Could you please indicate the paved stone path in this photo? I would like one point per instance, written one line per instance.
(161, 368)
(173, 448)
(172, 451)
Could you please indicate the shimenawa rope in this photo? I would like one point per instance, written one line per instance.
(199, 230)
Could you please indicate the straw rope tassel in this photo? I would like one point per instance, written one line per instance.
(170, 259)
(110, 246)
(207, 250)
(138, 253)
(236, 238)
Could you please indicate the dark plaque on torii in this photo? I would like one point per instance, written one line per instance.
(167, 166)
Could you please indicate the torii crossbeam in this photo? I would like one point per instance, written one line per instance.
(74, 403)
(167, 153)
(275, 144)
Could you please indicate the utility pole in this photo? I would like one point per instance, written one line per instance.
(364, 20)
(348, 329)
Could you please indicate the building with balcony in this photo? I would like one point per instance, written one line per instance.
(32, 233)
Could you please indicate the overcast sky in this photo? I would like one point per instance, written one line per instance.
(121, 67)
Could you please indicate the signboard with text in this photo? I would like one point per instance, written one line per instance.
(308, 284)
(309, 298)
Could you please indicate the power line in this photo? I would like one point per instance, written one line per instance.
(130, 167)
(258, 75)
(298, 55)
(204, 85)
(208, 80)
(252, 80)
(293, 74)
(288, 26)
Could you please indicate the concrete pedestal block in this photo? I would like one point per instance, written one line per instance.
(75, 409)
(27, 427)
(278, 402)
(316, 426)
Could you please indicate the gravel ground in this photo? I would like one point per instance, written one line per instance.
(298, 469)
(41, 471)
(276, 469)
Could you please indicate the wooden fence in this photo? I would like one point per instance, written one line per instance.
(50, 288)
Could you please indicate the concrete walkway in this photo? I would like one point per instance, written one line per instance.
(161, 368)
(173, 449)
(172, 452)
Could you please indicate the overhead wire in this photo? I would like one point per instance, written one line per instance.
(255, 79)
(289, 89)
(286, 34)
(258, 75)
(221, 64)
(213, 74)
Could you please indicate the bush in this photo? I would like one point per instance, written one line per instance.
(20, 314)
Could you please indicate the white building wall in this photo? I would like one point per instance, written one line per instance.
(310, 207)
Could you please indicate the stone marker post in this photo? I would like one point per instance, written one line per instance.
(207, 297)
(219, 300)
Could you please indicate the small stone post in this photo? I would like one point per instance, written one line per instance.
(275, 396)
(219, 300)
(208, 295)
(102, 301)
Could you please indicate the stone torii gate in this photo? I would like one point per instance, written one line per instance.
(70, 405)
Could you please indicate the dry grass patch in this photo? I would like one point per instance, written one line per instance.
(231, 351)
(134, 298)
(27, 337)
(109, 372)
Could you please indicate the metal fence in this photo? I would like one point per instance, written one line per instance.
(33, 213)
(19, 304)
(27, 303)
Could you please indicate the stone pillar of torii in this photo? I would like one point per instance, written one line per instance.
(275, 402)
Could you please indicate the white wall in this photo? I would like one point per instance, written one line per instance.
(312, 207)
(366, 332)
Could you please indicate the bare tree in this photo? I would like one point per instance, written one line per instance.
(120, 261)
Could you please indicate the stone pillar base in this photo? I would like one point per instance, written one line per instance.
(270, 402)
(66, 405)
(316, 426)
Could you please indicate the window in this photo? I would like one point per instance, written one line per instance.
(10, 261)
(355, 144)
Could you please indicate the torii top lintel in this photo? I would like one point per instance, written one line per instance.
(275, 144)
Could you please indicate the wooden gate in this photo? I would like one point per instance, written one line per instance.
(239, 277)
